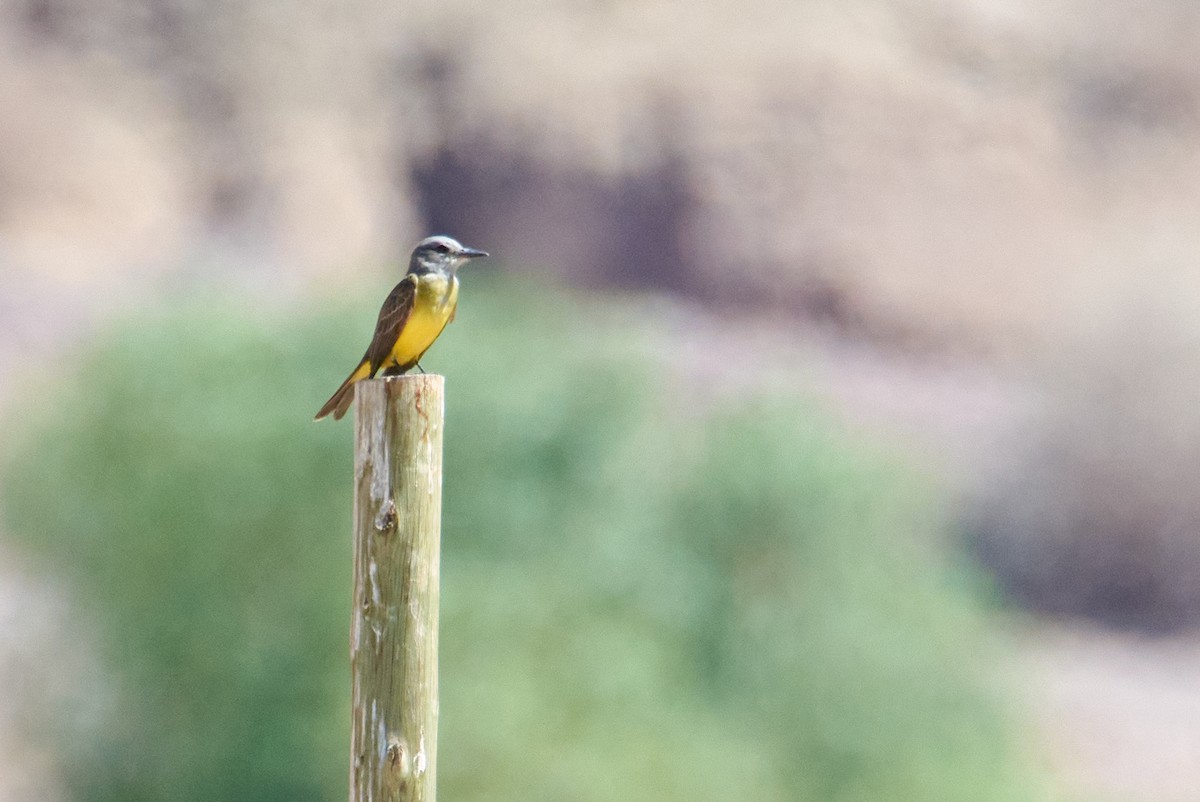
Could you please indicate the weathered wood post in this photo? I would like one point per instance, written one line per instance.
(394, 627)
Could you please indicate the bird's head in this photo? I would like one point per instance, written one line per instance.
(440, 254)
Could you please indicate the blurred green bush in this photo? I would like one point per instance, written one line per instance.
(644, 598)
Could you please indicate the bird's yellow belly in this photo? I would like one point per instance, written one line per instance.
(432, 310)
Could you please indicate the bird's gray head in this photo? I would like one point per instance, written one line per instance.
(440, 254)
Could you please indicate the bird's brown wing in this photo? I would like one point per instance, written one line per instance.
(392, 317)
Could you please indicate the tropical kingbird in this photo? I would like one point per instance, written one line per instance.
(412, 317)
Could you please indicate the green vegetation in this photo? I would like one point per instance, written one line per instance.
(643, 600)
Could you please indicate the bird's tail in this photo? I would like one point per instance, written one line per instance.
(339, 402)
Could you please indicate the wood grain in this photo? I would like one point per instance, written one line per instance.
(397, 552)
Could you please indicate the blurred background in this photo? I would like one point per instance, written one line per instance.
(824, 427)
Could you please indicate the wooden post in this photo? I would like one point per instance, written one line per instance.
(394, 627)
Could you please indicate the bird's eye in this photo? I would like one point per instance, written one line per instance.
(441, 247)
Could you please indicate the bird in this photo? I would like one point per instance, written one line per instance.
(412, 316)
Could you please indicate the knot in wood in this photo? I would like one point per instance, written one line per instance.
(399, 764)
(385, 521)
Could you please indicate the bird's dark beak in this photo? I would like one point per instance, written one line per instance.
(471, 253)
